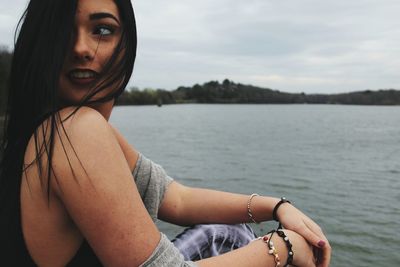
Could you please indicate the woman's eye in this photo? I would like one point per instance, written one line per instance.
(103, 31)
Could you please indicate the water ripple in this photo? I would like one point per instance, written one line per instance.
(339, 163)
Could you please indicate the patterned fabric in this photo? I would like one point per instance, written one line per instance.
(208, 240)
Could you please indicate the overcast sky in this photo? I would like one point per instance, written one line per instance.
(295, 46)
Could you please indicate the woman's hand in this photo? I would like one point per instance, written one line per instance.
(293, 219)
(302, 250)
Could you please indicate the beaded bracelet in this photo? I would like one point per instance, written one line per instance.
(282, 234)
(272, 250)
(248, 208)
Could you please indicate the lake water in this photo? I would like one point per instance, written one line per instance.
(340, 164)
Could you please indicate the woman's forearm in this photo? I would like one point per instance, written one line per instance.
(254, 254)
(195, 206)
(187, 206)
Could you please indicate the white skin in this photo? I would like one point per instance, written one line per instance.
(99, 200)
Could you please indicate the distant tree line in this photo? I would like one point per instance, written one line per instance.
(229, 92)
(225, 92)
(148, 96)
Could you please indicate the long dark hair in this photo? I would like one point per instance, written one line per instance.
(44, 35)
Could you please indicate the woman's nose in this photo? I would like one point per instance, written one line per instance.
(82, 48)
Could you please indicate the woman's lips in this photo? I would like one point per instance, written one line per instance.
(82, 76)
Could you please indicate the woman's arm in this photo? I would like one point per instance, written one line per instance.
(130, 153)
(187, 206)
(184, 205)
(95, 184)
(256, 254)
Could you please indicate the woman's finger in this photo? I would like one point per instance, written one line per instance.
(326, 255)
(323, 246)
(311, 237)
(315, 229)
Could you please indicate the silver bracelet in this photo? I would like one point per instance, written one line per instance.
(248, 208)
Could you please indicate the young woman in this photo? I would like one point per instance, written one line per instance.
(75, 193)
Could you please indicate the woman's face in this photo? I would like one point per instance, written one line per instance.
(97, 32)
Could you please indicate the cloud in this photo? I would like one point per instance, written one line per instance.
(10, 13)
(303, 45)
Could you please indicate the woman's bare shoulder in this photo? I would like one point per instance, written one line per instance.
(80, 116)
(66, 125)
(83, 137)
(94, 182)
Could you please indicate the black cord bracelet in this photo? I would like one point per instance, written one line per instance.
(274, 215)
(282, 234)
